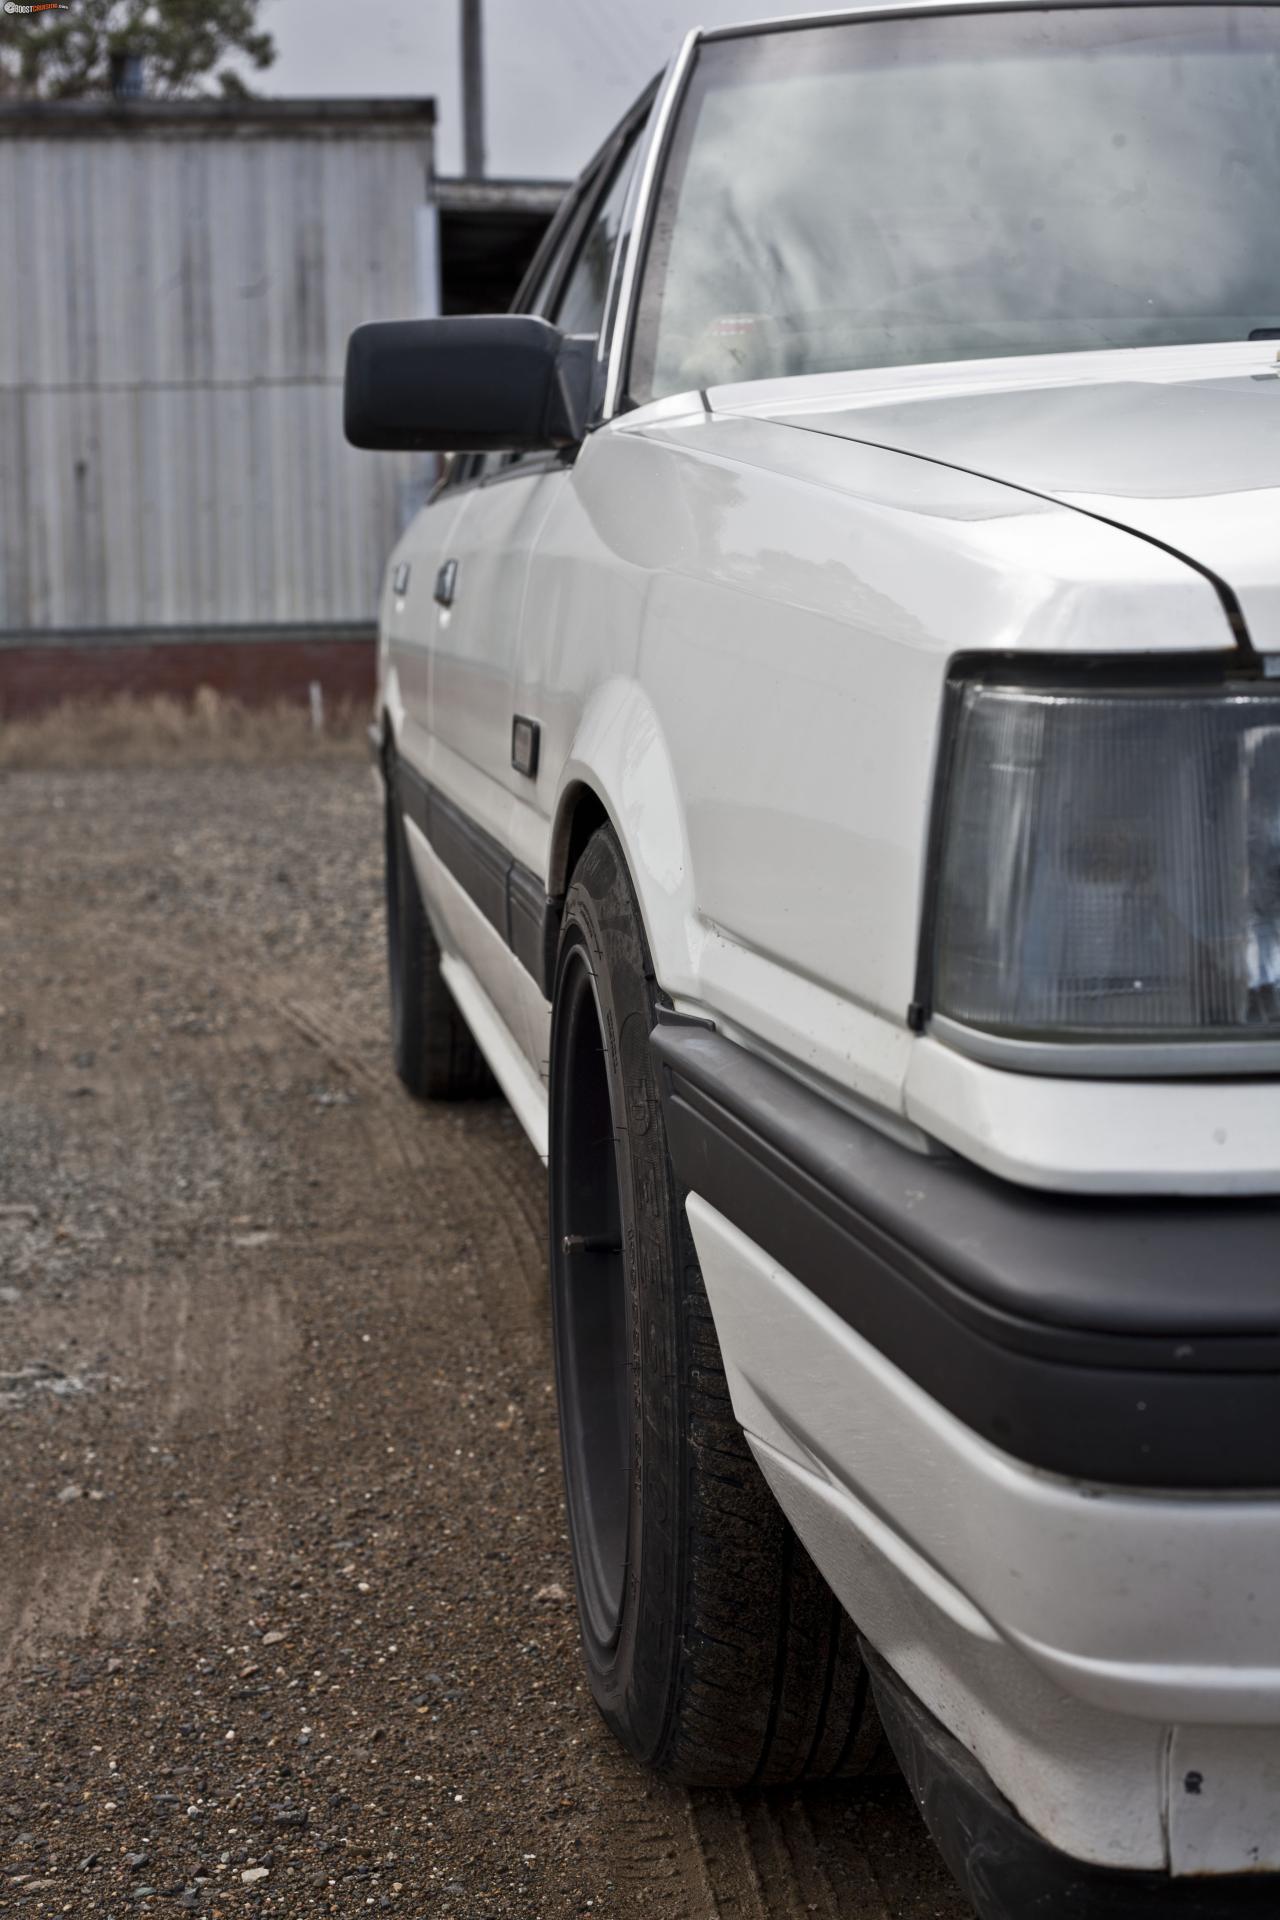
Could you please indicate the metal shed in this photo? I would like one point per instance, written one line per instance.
(180, 282)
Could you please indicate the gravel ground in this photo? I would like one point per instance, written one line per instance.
(285, 1615)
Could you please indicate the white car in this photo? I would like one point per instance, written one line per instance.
(832, 770)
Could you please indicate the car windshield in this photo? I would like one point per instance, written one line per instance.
(893, 191)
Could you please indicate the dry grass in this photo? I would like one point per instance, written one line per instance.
(165, 732)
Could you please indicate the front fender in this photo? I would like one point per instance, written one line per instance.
(619, 756)
(390, 707)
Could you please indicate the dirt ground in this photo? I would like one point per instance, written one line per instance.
(285, 1622)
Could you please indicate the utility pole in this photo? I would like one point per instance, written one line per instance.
(472, 90)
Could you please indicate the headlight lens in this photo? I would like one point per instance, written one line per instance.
(1110, 865)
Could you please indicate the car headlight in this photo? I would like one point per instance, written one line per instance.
(1109, 867)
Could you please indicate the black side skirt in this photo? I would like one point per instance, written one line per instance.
(511, 898)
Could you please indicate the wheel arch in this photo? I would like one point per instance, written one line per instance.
(385, 733)
(389, 707)
(580, 812)
(619, 773)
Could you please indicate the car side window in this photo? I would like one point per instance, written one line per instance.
(539, 296)
(470, 467)
(579, 307)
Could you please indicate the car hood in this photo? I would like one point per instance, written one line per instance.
(1180, 446)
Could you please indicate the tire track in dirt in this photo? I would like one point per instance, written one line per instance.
(656, 1850)
(717, 1855)
(764, 1861)
(61, 1582)
(491, 1174)
(247, 1009)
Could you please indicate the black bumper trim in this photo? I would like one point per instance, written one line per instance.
(1006, 1869)
(1124, 1342)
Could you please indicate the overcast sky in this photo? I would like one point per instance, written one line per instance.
(558, 72)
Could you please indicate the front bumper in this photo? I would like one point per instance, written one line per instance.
(1007, 1871)
(1007, 1464)
(1132, 1342)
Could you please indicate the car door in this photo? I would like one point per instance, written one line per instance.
(545, 689)
(449, 622)
(409, 618)
(420, 633)
(476, 635)
(470, 762)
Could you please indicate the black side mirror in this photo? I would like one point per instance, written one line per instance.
(508, 383)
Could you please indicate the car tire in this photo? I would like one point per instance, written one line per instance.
(715, 1651)
(434, 1053)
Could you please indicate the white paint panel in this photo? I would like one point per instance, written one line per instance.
(878, 1490)
(1109, 1657)
(1088, 1136)
(1224, 1800)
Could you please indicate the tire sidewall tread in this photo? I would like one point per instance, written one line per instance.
(733, 1664)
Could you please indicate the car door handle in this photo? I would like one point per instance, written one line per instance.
(446, 582)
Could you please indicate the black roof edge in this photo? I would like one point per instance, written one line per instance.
(231, 116)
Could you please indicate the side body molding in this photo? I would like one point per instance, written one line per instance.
(619, 772)
(511, 898)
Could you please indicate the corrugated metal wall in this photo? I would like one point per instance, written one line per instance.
(174, 312)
